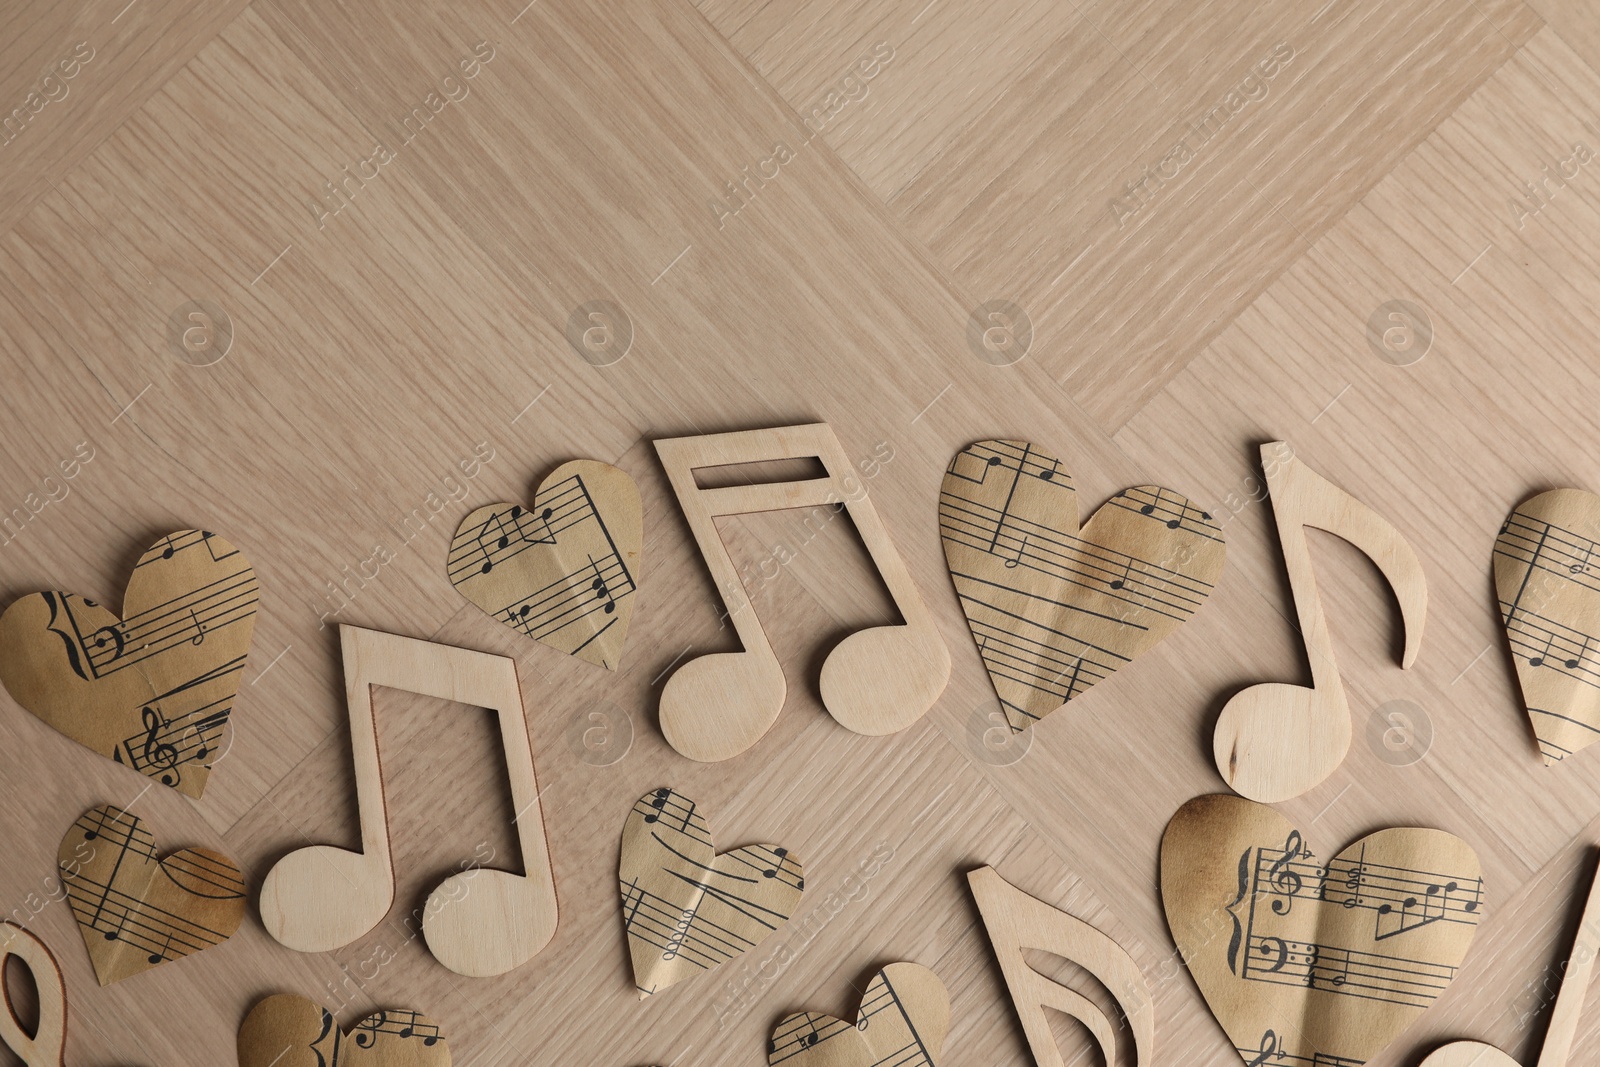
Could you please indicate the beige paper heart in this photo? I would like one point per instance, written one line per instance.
(153, 689)
(1055, 609)
(685, 907)
(564, 571)
(286, 1030)
(136, 910)
(903, 1022)
(1301, 961)
(1547, 576)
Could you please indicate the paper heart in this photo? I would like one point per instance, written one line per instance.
(1547, 576)
(287, 1030)
(1055, 609)
(135, 910)
(153, 689)
(564, 571)
(1301, 961)
(685, 907)
(904, 1019)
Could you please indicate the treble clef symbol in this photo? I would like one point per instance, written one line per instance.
(1285, 880)
(156, 752)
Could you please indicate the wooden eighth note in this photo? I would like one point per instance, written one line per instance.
(1015, 922)
(478, 922)
(876, 681)
(1276, 740)
(47, 1046)
(1563, 1017)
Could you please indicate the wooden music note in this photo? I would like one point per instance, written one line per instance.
(1563, 1018)
(1276, 740)
(49, 1041)
(876, 681)
(1017, 921)
(477, 922)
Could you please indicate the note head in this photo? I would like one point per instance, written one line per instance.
(320, 898)
(881, 680)
(1275, 741)
(481, 923)
(718, 705)
(1468, 1054)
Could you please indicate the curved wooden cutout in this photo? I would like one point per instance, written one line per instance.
(287, 1030)
(876, 681)
(46, 1048)
(564, 571)
(1017, 921)
(903, 1022)
(153, 689)
(1563, 1018)
(477, 922)
(1276, 740)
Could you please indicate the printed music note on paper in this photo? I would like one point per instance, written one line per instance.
(478, 922)
(136, 909)
(1275, 740)
(287, 1030)
(1564, 1016)
(903, 1022)
(687, 908)
(154, 689)
(563, 572)
(1549, 593)
(876, 681)
(46, 1046)
(1017, 922)
(1307, 959)
(1054, 608)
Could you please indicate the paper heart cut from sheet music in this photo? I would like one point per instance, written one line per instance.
(903, 1022)
(1276, 740)
(1547, 577)
(137, 910)
(1303, 961)
(477, 922)
(287, 1030)
(688, 909)
(876, 681)
(1564, 1016)
(154, 688)
(46, 1046)
(563, 571)
(1054, 608)
(1017, 922)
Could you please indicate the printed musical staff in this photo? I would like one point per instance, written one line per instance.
(137, 910)
(477, 922)
(287, 1030)
(1055, 609)
(903, 1022)
(686, 908)
(564, 571)
(1326, 962)
(154, 689)
(1548, 581)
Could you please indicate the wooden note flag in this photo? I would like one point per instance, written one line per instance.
(1547, 576)
(287, 1030)
(564, 571)
(1310, 962)
(137, 910)
(686, 908)
(1055, 609)
(1016, 923)
(154, 688)
(903, 1022)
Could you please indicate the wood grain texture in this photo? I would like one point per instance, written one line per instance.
(378, 346)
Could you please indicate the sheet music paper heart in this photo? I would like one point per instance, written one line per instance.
(153, 689)
(1054, 608)
(287, 1030)
(685, 907)
(1302, 961)
(1547, 577)
(563, 571)
(903, 1022)
(136, 910)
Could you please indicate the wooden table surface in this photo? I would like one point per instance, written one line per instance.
(782, 236)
